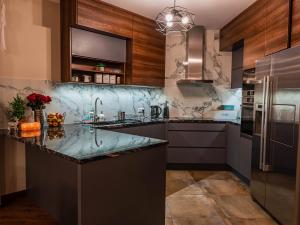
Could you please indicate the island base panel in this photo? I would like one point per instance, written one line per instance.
(127, 190)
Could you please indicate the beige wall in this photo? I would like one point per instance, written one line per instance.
(33, 40)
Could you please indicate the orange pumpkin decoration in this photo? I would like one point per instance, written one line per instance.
(30, 134)
(36, 126)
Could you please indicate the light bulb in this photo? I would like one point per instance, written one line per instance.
(169, 17)
(185, 20)
(169, 24)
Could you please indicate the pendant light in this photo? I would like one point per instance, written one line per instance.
(174, 19)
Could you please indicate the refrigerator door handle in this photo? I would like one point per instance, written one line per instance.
(266, 167)
(262, 125)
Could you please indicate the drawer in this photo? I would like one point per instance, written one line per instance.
(197, 126)
(197, 139)
(197, 155)
(128, 130)
(151, 130)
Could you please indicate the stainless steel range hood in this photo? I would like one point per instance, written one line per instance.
(195, 47)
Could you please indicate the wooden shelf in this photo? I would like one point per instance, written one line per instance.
(88, 68)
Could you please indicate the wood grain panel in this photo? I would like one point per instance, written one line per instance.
(148, 53)
(264, 26)
(146, 74)
(296, 23)
(145, 60)
(249, 22)
(144, 32)
(277, 26)
(68, 12)
(254, 48)
(101, 16)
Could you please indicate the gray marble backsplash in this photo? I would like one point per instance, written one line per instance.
(204, 100)
(184, 101)
(78, 99)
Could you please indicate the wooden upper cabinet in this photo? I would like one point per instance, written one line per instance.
(296, 23)
(277, 25)
(148, 53)
(254, 48)
(248, 23)
(98, 15)
(145, 53)
(264, 27)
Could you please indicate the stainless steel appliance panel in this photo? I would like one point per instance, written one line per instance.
(282, 137)
(258, 176)
(275, 143)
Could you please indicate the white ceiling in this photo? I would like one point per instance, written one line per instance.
(213, 14)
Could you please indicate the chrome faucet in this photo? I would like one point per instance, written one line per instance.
(96, 117)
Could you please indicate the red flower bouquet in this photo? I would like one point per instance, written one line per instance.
(38, 101)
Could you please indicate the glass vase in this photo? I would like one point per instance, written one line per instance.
(39, 116)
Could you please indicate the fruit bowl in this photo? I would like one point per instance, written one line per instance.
(55, 119)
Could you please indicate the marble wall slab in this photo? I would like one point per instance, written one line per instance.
(78, 99)
(184, 101)
(195, 100)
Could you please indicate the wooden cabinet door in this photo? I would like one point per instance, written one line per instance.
(296, 23)
(98, 15)
(249, 22)
(148, 53)
(254, 49)
(277, 25)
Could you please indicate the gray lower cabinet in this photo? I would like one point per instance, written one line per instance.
(149, 130)
(201, 143)
(233, 146)
(245, 157)
(239, 151)
(196, 143)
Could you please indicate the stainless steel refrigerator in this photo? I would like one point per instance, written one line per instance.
(274, 183)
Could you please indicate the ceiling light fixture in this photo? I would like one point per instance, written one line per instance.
(174, 19)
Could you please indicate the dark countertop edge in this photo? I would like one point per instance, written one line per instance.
(113, 126)
(28, 141)
(160, 121)
(116, 154)
(96, 158)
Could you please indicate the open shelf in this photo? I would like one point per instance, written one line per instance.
(93, 69)
(86, 66)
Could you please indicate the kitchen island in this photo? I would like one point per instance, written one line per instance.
(87, 176)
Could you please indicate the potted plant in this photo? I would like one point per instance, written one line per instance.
(101, 67)
(37, 103)
(16, 111)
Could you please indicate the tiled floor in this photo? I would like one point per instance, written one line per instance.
(193, 198)
(210, 198)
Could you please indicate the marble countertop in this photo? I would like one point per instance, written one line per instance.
(145, 121)
(82, 143)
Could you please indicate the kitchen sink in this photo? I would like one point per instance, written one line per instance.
(115, 122)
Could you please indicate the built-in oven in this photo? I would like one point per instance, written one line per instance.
(247, 117)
